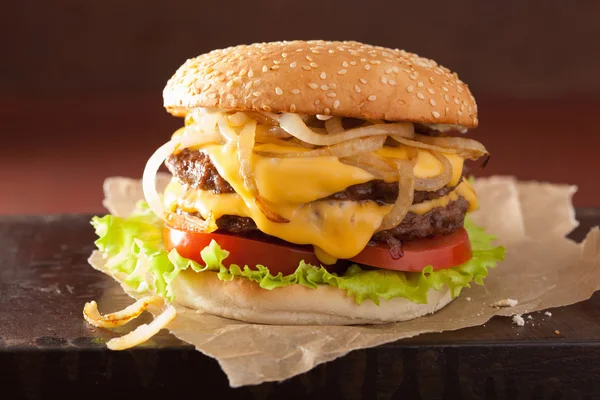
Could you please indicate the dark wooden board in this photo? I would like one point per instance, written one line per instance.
(46, 348)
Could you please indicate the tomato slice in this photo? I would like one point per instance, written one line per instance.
(440, 252)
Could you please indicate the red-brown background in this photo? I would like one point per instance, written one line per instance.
(80, 82)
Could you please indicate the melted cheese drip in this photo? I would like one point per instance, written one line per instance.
(293, 187)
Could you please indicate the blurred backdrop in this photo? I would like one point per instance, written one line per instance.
(81, 82)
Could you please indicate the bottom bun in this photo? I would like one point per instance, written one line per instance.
(245, 300)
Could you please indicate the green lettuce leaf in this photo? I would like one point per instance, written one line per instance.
(134, 249)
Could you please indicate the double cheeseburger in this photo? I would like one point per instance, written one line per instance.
(313, 183)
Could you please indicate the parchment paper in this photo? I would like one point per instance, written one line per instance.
(542, 270)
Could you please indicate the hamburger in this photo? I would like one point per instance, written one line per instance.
(313, 182)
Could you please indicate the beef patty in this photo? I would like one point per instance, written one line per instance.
(195, 169)
(439, 221)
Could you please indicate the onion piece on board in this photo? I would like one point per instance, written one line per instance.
(119, 318)
(143, 332)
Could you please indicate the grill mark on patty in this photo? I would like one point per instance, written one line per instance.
(195, 169)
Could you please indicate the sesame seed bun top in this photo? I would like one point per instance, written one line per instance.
(347, 79)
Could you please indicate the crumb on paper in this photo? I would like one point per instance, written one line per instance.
(557, 332)
(468, 299)
(529, 316)
(518, 320)
(505, 303)
(70, 289)
(548, 314)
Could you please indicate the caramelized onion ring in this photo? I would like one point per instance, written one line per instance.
(340, 150)
(374, 165)
(294, 125)
(406, 189)
(466, 148)
(439, 181)
(245, 147)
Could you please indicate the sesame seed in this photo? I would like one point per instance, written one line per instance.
(315, 51)
(292, 108)
(372, 97)
(459, 89)
(430, 90)
(367, 67)
(435, 114)
(324, 87)
(313, 85)
(299, 50)
(336, 104)
(314, 65)
(284, 55)
(327, 111)
(256, 94)
(395, 70)
(444, 88)
(363, 59)
(317, 102)
(250, 74)
(412, 77)
(383, 80)
(275, 67)
(470, 109)
(323, 75)
(229, 73)
(392, 82)
(345, 64)
(331, 94)
(295, 91)
(363, 80)
(388, 70)
(456, 101)
(243, 72)
(332, 85)
(462, 107)
(276, 62)
(306, 67)
(265, 68)
(420, 96)
(357, 88)
(331, 51)
(278, 91)
(309, 58)
(432, 102)
(447, 110)
(212, 95)
(447, 98)
(420, 84)
(353, 62)
(410, 88)
(342, 71)
(293, 65)
(266, 108)
(248, 85)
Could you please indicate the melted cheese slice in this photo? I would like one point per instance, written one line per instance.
(292, 186)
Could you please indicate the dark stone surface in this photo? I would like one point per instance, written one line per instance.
(47, 349)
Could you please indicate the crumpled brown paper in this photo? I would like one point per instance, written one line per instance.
(542, 270)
